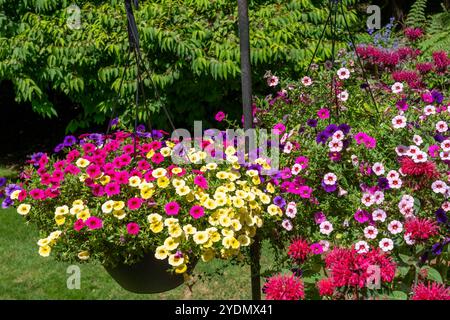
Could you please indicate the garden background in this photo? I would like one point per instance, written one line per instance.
(56, 80)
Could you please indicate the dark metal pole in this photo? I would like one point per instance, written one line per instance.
(246, 83)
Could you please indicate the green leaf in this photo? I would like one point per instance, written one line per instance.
(433, 274)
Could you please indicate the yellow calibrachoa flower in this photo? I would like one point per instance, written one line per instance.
(147, 193)
(256, 180)
(44, 251)
(274, 210)
(54, 235)
(238, 202)
(182, 191)
(264, 198)
(78, 202)
(230, 186)
(233, 159)
(62, 210)
(200, 237)
(170, 221)
(165, 151)
(219, 195)
(76, 209)
(175, 260)
(190, 197)
(105, 179)
(181, 269)
(252, 173)
(157, 227)
(236, 225)
(230, 242)
(222, 175)
(159, 172)
(244, 240)
(210, 204)
(83, 255)
(241, 194)
(194, 158)
(119, 214)
(150, 154)
(118, 205)
(154, 218)
(177, 170)
(178, 183)
(84, 215)
(270, 188)
(170, 244)
(225, 221)
(189, 229)
(211, 166)
(82, 163)
(162, 182)
(161, 253)
(230, 150)
(175, 231)
(43, 242)
(134, 181)
(108, 206)
(60, 219)
(23, 209)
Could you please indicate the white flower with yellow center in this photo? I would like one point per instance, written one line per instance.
(170, 221)
(227, 232)
(76, 209)
(159, 172)
(15, 194)
(161, 253)
(23, 209)
(225, 221)
(182, 191)
(201, 237)
(78, 202)
(189, 229)
(82, 163)
(154, 218)
(175, 230)
(264, 198)
(209, 204)
(166, 151)
(230, 242)
(84, 215)
(252, 173)
(43, 242)
(238, 202)
(236, 225)
(177, 170)
(222, 175)
(55, 235)
(108, 206)
(146, 185)
(134, 181)
(176, 260)
(61, 210)
(219, 195)
(170, 244)
(178, 183)
(244, 240)
(83, 255)
(45, 251)
(230, 150)
(211, 166)
(232, 159)
(274, 210)
(119, 214)
(194, 158)
(241, 194)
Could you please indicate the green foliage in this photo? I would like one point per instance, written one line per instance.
(438, 31)
(192, 48)
(416, 16)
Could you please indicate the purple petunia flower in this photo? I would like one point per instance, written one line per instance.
(439, 137)
(10, 188)
(58, 148)
(156, 134)
(361, 216)
(7, 203)
(69, 141)
(2, 181)
(437, 96)
(441, 216)
(279, 201)
(345, 128)
(383, 183)
(330, 129)
(329, 188)
(319, 217)
(312, 123)
(322, 137)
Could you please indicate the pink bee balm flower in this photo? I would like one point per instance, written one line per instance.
(134, 203)
(133, 228)
(219, 116)
(94, 223)
(432, 291)
(323, 113)
(78, 225)
(197, 212)
(201, 182)
(172, 208)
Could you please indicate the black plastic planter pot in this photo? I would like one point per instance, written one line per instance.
(150, 275)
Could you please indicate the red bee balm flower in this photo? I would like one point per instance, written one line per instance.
(284, 287)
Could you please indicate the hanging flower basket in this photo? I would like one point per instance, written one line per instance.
(149, 275)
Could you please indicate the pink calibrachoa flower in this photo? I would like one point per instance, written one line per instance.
(37, 194)
(112, 189)
(431, 291)
(134, 203)
(133, 228)
(316, 248)
(323, 113)
(219, 116)
(284, 287)
(197, 212)
(94, 223)
(157, 158)
(93, 171)
(279, 128)
(172, 208)
(78, 225)
(201, 181)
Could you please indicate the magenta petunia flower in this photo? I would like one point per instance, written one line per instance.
(133, 228)
(201, 182)
(112, 189)
(316, 248)
(197, 212)
(172, 208)
(93, 171)
(279, 128)
(157, 158)
(78, 225)
(219, 116)
(134, 203)
(94, 223)
(323, 113)
(37, 194)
